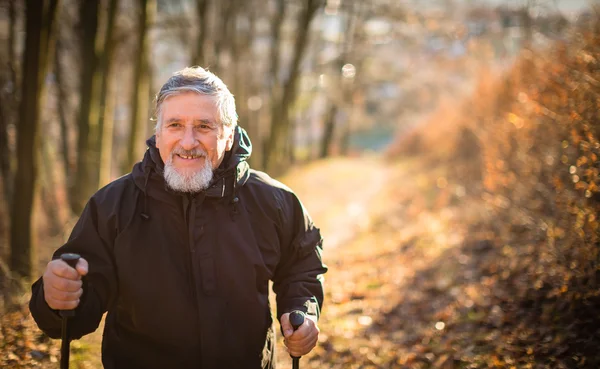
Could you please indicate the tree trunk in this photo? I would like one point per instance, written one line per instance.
(12, 41)
(527, 25)
(106, 148)
(239, 46)
(5, 166)
(8, 112)
(87, 120)
(344, 87)
(291, 143)
(105, 118)
(39, 26)
(64, 126)
(201, 15)
(274, 85)
(280, 120)
(47, 186)
(5, 155)
(275, 45)
(329, 130)
(345, 138)
(221, 38)
(245, 84)
(141, 86)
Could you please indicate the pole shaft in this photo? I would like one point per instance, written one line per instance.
(70, 259)
(64, 346)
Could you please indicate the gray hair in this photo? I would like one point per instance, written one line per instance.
(202, 82)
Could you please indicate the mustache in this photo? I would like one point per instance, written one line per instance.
(193, 152)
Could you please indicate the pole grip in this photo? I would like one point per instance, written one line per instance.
(71, 259)
(296, 320)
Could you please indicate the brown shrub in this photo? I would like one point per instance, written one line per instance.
(532, 141)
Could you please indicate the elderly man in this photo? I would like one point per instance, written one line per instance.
(180, 251)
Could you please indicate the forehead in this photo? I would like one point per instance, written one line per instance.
(189, 105)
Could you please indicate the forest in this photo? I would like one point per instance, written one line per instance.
(449, 151)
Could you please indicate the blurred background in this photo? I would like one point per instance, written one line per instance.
(447, 148)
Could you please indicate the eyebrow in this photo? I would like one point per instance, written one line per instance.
(205, 121)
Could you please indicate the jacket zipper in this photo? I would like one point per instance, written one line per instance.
(190, 244)
(190, 218)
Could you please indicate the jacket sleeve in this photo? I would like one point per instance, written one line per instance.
(91, 238)
(298, 278)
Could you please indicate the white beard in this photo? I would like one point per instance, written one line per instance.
(192, 182)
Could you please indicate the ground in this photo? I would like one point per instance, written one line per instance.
(393, 255)
(405, 287)
(343, 195)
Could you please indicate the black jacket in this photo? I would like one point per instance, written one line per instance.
(184, 278)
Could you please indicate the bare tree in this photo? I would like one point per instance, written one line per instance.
(62, 97)
(527, 13)
(7, 113)
(276, 25)
(88, 113)
(242, 32)
(222, 37)
(40, 22)
(141, 83)
(280, 123)
(105, 117)
(343, 89)
(201, 16)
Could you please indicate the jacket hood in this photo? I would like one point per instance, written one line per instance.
(233, 172)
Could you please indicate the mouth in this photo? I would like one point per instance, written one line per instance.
(189, 157)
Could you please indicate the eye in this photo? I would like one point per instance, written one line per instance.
(174, 125)
(204, 126)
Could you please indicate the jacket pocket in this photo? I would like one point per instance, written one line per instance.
(307, 242)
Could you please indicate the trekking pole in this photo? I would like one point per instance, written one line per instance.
(296, 319)
(70, 259)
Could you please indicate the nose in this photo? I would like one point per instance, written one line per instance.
(188, 141)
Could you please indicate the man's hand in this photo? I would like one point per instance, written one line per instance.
(63, 285)
(304, 339)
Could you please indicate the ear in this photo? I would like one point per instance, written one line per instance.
(230, 135)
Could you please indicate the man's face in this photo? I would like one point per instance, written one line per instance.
(190, 134)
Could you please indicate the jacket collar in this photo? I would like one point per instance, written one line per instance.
(233, 172)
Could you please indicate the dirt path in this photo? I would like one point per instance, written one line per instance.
(344, 196)
(393, 261)
(341, 194)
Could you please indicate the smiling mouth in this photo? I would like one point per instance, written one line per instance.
(189, 157)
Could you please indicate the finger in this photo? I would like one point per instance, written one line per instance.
(303, 341)
(62, 269)
(308, 328)
(301, 350)
(64, 295)
(286, 326)
(82, 267)
(66, 285)
(61, 305)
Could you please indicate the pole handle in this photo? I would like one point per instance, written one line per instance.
(296, 320)
(71, 259)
